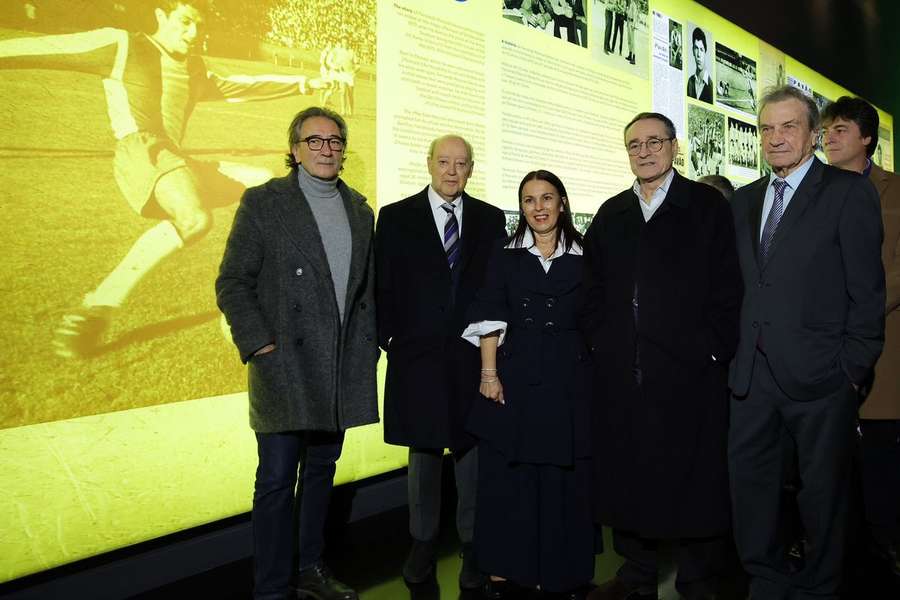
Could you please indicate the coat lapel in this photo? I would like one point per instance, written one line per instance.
(299, 223)
(471, 230)
(422, 223)
(757, 199)
(360, 236)
(802, 198)
(879, 179)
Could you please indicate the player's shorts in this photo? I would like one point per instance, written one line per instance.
(141, 159)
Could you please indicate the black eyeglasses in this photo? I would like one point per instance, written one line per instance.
(654, 145)
(316, 143)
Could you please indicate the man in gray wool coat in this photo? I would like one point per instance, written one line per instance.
(296, 285)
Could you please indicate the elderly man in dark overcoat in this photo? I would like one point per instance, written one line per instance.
(431, 253)
(663, 292)
(297, 286)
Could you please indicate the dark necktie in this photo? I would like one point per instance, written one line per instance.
(451, 235)
(772, 221)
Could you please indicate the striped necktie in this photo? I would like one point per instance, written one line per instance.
(772, 221)
(451, 235)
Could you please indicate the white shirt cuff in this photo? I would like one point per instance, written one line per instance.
(474, 331)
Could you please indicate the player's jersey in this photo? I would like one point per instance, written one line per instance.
(146, 88)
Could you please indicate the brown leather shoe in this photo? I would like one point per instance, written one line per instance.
(616, 589)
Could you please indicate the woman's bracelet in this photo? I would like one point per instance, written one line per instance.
(494, 380)
(489, 370)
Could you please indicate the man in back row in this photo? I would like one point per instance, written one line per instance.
(850, 136)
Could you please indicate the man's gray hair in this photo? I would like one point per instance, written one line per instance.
(450, 136)
(786, 92)
(297, 124)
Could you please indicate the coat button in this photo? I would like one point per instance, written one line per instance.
(299, 341)
(549, 324)
(551, 302)
(362, 306)
(299, 271)
(529, 320)
(368, 338)
(297, 307)
(755, 324)
(760, 284)
(525, 302)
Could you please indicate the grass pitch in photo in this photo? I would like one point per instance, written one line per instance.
(735, 80)
(119, 197)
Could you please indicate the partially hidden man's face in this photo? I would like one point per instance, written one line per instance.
(324, 163)
(699, 55)
(450, 167)
(178, 32)
(844, 144)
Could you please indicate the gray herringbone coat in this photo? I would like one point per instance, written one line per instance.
(275, 286)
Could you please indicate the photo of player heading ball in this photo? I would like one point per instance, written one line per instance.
(138, 126)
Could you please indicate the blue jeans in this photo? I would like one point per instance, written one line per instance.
(278, 500)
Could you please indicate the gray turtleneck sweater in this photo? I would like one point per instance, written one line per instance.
(334, 229)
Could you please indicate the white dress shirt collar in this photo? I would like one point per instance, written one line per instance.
(528, 244)
(656, 200)
(440, 215)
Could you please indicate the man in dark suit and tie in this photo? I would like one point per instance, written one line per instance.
(812, 326)
(431, 253)
(850, 137)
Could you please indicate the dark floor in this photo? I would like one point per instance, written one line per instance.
(368, 555)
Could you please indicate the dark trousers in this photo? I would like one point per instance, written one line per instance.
(618, 33)
(560, 21)
(278, 501)
(607, 30)
(699, 561)
(822, 432)
(424, 489)
(879, 465)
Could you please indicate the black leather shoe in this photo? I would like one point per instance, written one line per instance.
(419, 565)
(617, 589)
(317, 583)
(470, 578)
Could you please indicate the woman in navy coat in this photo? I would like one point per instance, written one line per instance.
(533, 526)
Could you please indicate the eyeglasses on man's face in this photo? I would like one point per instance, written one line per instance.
(653, 145)
(316, 143)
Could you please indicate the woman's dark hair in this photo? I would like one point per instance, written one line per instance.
(564, 223)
